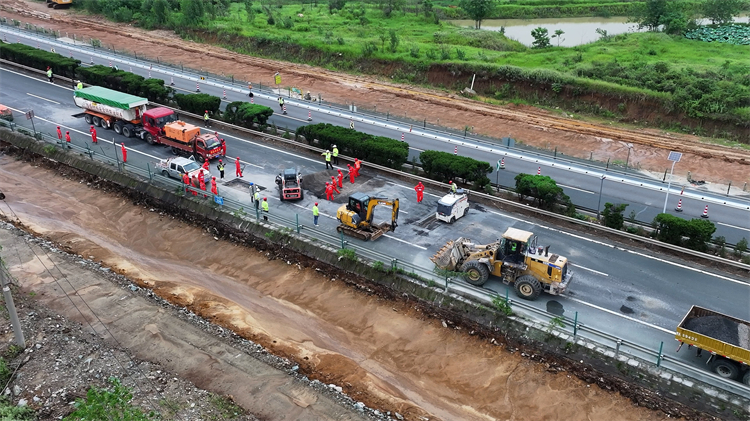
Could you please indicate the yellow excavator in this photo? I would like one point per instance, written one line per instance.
(356, 217)
(516, 259)
(55, 4)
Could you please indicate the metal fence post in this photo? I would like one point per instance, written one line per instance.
(617, 346)
(659, 357)
(575, 325)
(257, 215)
(297, 217)
(150, 175)
(341, 234)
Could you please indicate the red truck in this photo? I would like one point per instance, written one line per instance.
(127, 115)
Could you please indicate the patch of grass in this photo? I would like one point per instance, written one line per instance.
(109, 404)
(10, 412)
(227, 409)
(502, 305)
(348, 254)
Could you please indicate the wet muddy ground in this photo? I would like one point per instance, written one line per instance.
(390, 354)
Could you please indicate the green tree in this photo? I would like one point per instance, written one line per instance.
(612, 215)
(383, 39)
(427, 6)
(740, 247)
(542, 188)
(699, 233)
(478, 10)
(249, 10)
(335, 5)
(160, 11)
(389, 6)
(649, 14)
(558, 34)
(193, 12)
(541, 37)
(393, 40)
(721, 11)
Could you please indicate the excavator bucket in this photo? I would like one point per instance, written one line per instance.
(450, 255)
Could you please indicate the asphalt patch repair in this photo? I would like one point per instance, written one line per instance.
(402, 303)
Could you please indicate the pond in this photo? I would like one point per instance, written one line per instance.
(577, 30)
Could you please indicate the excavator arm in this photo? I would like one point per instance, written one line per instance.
(380, 201)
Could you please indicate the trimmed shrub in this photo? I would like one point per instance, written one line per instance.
(376, 149)
(544, 190)
(444, 166)
(123, 81)
(246, 114)
(198, 103)
(694, 234)
(39, 59)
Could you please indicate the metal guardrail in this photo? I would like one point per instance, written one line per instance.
(291, 227)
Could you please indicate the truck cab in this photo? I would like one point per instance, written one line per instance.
(452, 206)
(154, 121)
(290, 185)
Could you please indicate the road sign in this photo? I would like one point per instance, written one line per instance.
(675, 156)
(219, 200)
(29, 114)
(277, 78)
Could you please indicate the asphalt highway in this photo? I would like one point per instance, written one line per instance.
(638, 296)
(582, 182)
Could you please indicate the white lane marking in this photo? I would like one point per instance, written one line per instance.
(43, 99)
(632, 319)
(415, 149)
(601, 243)
(405, 242)
(734, 226)
(576, 188)
(590, 270)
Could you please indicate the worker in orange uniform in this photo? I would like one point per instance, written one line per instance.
(92, 130)
(238, 172)
(124, 152)
(67, 137)
(341, 179)
(194, 183)
(333, 183)
(351, 173)
(223, 147)
(329, 191)
(186, 180)
(357, 165)
(202, 181)
(59, 133)
(214, 189)
(420, 192)
(205, 165)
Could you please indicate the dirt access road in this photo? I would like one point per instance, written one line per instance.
(530, 125)
(387, 354)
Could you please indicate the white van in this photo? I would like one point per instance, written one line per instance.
(453, 206)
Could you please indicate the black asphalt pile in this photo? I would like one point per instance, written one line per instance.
(315, 184)
(717, 327)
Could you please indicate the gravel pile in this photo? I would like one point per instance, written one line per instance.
(720, 328)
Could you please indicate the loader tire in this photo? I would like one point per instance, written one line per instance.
(528, 287)
(475, 273)
(725, 368)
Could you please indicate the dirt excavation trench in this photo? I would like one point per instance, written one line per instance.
(384, 353)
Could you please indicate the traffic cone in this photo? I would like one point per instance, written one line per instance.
(171, 81)
(309, 116)
(197, 88)
(130, 69)
(225, 94)
(284, 108)
(252, 100)
(679, 206)
(502, 164)
(110, 63)
(410, 128)
(539, 171)
(455, 150)
(705, 213)
(149, 74)
(402, 137)
(91, 59)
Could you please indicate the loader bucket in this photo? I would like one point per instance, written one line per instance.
(449, 256)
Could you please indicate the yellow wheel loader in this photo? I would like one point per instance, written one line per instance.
(515, 259)
(59, 4)
(356, 217)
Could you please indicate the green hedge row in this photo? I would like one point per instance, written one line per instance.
(444, 166)
(198, 103)
(694, 234)
(376, 149)
(246, 114)
(120, 80)
(39, 59)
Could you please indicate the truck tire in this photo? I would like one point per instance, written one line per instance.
(466, 210)
(281, 195)
(128, 130)
(103, 123)
(475, 273)
(150, 139)
(117, 127)
(725, 368)
(528, 287)
(165, 173)
(88, 118)
(746, 379)
(200, 158)
(175, 151)
(95, 120)
(301, 194)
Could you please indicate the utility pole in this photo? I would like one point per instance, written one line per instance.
(11, 309)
